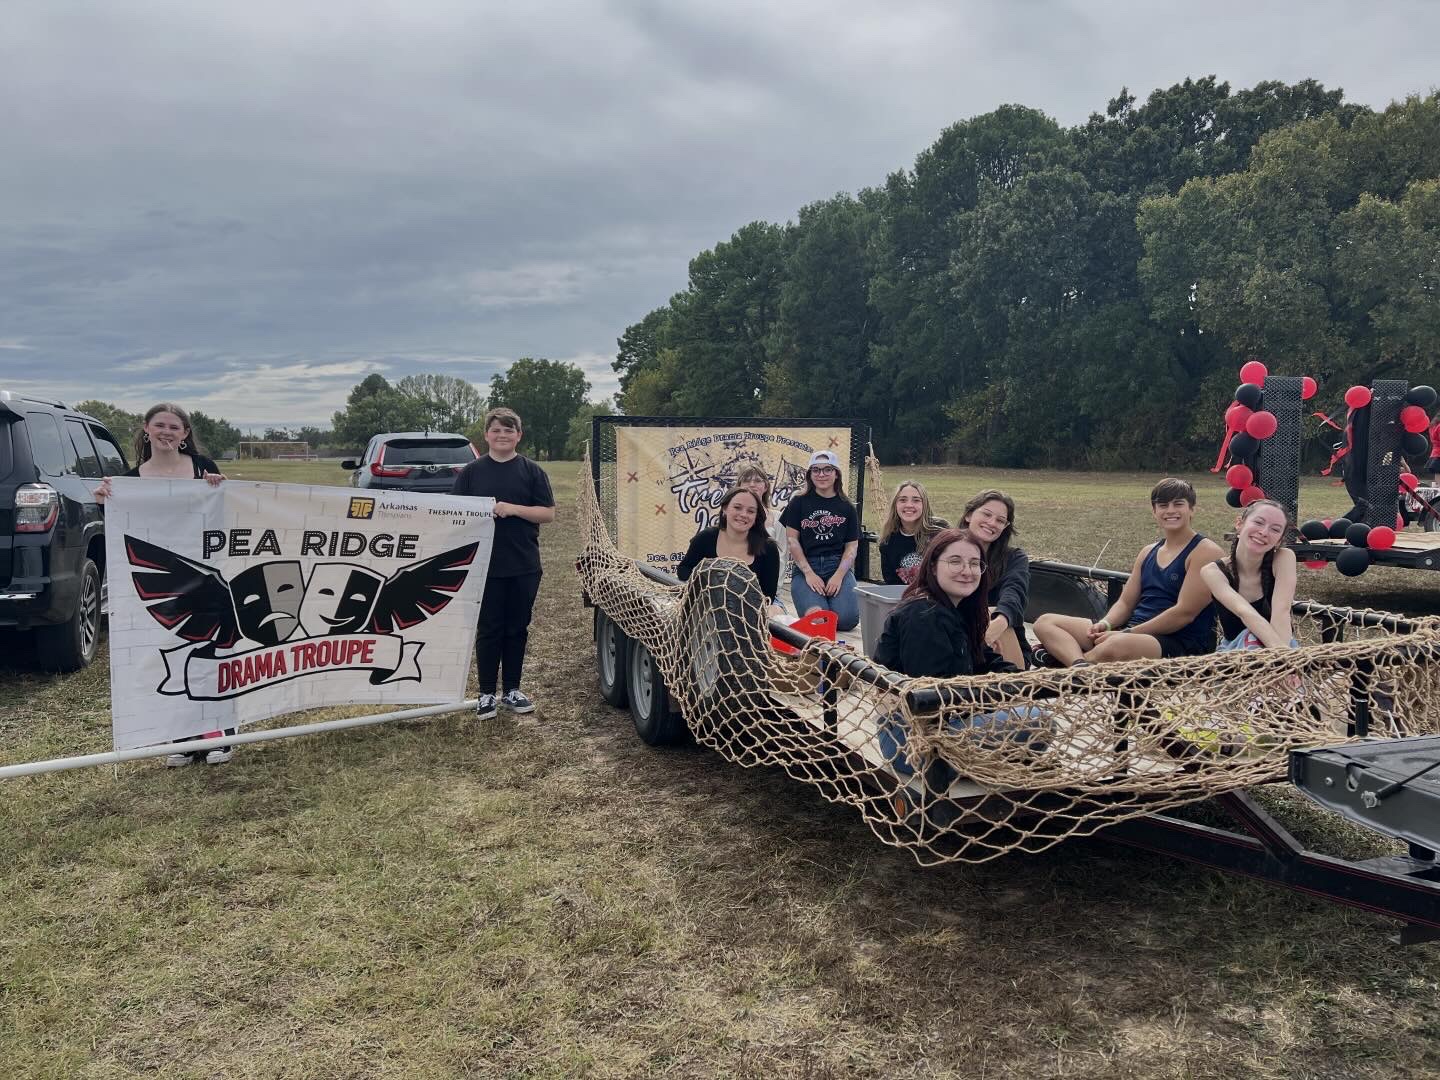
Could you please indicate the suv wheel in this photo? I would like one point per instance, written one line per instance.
(71, 645)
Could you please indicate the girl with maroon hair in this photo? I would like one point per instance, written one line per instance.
(939, 627)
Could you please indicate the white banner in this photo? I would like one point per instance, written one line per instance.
(236, 603)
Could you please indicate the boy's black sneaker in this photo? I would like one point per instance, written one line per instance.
(517, 702)
(485, 708)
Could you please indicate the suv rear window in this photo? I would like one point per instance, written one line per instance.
(7, 457)
(427, 452)
(46, 449)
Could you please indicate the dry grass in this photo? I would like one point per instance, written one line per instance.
(548, 897)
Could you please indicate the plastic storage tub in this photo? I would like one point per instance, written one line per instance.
(876, 603)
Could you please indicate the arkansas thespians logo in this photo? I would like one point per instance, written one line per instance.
(361, 507)
(344, 617)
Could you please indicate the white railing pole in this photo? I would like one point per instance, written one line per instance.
(113, 757)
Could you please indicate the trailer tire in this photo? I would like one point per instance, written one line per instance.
(656, 722)
(611, 648)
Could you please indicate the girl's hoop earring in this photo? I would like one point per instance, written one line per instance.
(183, 444)
(145, 435)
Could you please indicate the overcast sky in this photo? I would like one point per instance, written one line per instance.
(248, 206)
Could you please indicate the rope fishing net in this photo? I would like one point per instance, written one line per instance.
(969, 769)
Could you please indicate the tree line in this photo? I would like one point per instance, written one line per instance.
(549, 395)
(1030, 295)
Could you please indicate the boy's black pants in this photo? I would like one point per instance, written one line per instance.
(504, 629)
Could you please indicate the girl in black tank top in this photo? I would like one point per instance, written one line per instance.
(1255, 586)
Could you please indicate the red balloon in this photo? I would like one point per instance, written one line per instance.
(1251, 494)
(1413, 418)
(1407, 481)
(1239, 477)
(1261, 425)
(1381, 537)
(1307, 388)
(1357, 397)
(1236, 415)
(1254, 372)
(1315, 564)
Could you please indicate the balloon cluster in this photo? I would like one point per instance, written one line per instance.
(1360, 540)
(1247, 425)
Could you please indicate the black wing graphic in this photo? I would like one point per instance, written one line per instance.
(197, 603)
(411, 595)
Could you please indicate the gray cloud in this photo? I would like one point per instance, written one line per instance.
(249, 206)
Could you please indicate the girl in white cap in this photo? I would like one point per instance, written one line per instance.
(823, 529)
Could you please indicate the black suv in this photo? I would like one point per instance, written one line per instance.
(52, 532)
(412, 461)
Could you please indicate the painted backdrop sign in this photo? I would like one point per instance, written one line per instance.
(670, 480)
(241, 602)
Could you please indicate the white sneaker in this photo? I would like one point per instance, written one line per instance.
(178, 761)
(220, 756)
(485, 708)
(517, 702)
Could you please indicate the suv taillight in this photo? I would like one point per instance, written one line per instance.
(36, 508)
(377, 467)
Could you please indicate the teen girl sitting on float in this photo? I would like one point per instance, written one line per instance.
(754, 480)
(1165, 608)
(823, 529)
(990, 517)
(1254, 587)
(938, 631)
(909, 527)
(741, 536)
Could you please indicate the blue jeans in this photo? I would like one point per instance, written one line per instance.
(844, 603)
(1245, 640)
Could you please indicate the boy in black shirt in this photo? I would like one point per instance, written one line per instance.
(523, 502)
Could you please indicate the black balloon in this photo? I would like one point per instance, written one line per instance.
(1357, 534)
(1232, 496)
(1353, 561)
(1424, 396)
(1339, 527)
(1315, 530)
(1243, 446)
(1415, 444)
(1249, 395)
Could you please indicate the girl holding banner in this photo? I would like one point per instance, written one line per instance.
(166, 449)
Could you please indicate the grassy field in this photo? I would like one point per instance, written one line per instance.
(548, 897)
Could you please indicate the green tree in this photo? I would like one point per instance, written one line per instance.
(450, 403)
(216, 436)
(123, 425)
(373, 407)
(547, 394)
(579, 435)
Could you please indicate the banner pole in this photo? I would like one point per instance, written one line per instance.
(35, 768)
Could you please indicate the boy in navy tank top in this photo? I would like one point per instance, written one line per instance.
(1165, 609)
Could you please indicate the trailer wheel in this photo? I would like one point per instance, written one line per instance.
(656, 722)
(611, 646)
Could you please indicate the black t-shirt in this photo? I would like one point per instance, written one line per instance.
(898, 559)
(516, 547)
(765, 566)
(202, 466)
(825, 525)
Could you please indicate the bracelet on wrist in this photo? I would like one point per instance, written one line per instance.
(1106, 624)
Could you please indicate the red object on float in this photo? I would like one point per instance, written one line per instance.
(1307, 388)
(1261, 425)
(1239, 477)
(1236, 416)
(1357, 397)
(1315, 564)
(1407, 481)
(818, 624)
(1413, 418)
(1254, 372)
(1381, 538)
(1251, 494)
